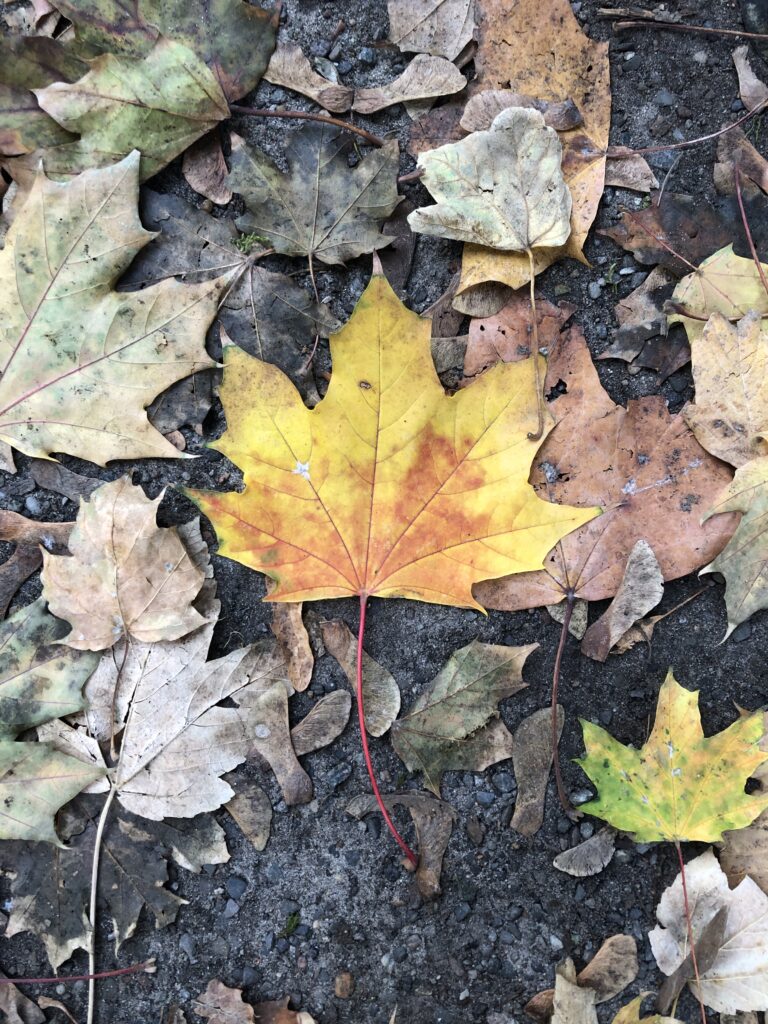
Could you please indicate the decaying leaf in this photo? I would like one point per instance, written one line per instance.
(28, 536)
(642, 317)
(80, 362)
(508, 336)
(433, 820)
(252, 810)
(206, 170)
(483, 107)
(571, 1004)
(745, 852)
(532, 761)
(743, 560)
(611, 969)
(166, 100)
(321, 208)
(125, 576)
(640, 590)
(502, 188)
(437, 127)
(357, 496)
(442, 27)
(643, 466)
(735, 150)
(52, 476)
(456, 707)
(630, 172)
(730, 371)
(680, 785)
(738, 977)
(708, 944)
(546, 55)
(752, 91)
(323, 724)
(222, 1005)
(289, 68)
(590, 857)
(423, 78)
(288, 627)
(381, 694)
(577, 626)
(15, 1006)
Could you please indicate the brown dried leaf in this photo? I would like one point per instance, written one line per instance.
(288, 627)
(206, 170)
(290, 68)
(28, 536)
(641, 317)
(590, 857)
(424, 77)
(532, 761)
(640, 590)
(381, 694)
(482, 108)
(612, 968)
(439, 126)
(251, 809)
(644, 467)
(16, 1008)
(441, 27)
(752, 91)
(630, 172)
(323, 724)
(506, 337)
(54, 477)
(222, 1005)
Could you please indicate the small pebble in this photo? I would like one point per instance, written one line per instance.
(742, 632)
(485, 799)
(250, 976)
(33, 506)
(282, 945)
(399, 954)
(736, 106)
(344, 985)
(555, 943)
(338, 774)
(235, 886)
(665, 98)
(367, 56)
(506, 938)
(594, 290)
(268, 943)
(288, 907)
(503, 782)
(462, 912)
(586, 829)
(231, 909)
(606, 717)
(580, 796)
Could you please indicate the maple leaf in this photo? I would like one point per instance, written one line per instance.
(125, 576)
(502, 188)
(680, 785)
(442, 27)
(457, 706)
(80, 361)
(542, 51)
(388, 487)
(321, 208)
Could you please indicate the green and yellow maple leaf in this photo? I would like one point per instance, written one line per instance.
(388, 487)
(681, 784)
(80, 361)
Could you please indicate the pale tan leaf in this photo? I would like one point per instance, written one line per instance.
(590, 857)
(577, 627)
(381, 694)
(442, 27)
(266, 707)
(425, 76)
(532, 761)
(572, 1004)
(752, 91)
(288, 627)
(482, 108)
(289, 68)
(324, 723)
(630, 172)
(251, 809)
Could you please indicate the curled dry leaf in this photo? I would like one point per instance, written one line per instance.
(433, 820)
(81, 361)
(442, 27)
(423, 78)
(738, 976)
(590, 857)
(289, 68)
(611, 969)
(125, 577)
(502, 188)
(288, 627)
(222, 1005)
(735, 150)
(532, 761)
(640, 590)
(641, 317)
(548, 56)
(28, 537)
(752, 91)
(507, 336)
(381, 694)
(455, 709)
(630, 172)
(205, 169)
(643, 466)
(321, 208)
(482, 108)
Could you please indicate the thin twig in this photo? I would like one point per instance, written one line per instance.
(535, 353)
(620, 151)
(92, 908)
(570, 600)
(681, 310)
(676, 26)
(411, 176)
(747, 229)
(689, 923)
(311, 356)
(633, 217)
(364, 736)
(657, 198)
(304, 115)
(147, 966)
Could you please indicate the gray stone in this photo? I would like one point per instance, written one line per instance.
(235, 886)
(462, 912)
(594, 289)
(367, 56)
(231, 909)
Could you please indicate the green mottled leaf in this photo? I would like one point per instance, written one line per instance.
(39, 679)
(457, 703)
(680, 785)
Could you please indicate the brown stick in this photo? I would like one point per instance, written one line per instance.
(303, 115)
(562, 795)
(620, 151)
(411, 176)
(675, 26)
(747, 229)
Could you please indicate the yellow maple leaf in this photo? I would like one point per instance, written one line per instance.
(388, 487)
(681, 784)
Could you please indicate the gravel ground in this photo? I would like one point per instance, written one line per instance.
(506, 916)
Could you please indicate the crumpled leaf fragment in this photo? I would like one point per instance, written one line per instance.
(381, 694)
(483, 107)
(641, 317)
(630, 1014)
(336, 505)
(752, 91)
(251, 809)
(15, 1006)
(28, 537)
(738, 978)
(507, 336)
(289, 629)
(590, 857)
(424, 77)
(80, 362)
(577, 625)
(125, 576)
(457, 706)
(433, 820)
(222, 1005)
(549, 56)
(640, 590)
(205, 169)
(630, 172)
(323, 723)
(708, 944)
(611, 969)
(441, 27)
(532, 762)
(321, 208)
(502, 188)
(571, 1004)
(735, 150)
(289, 68)
(680, 785)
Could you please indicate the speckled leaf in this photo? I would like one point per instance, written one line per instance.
(39, 679)
(457, 703)
(502, 188)
(126, 576)
(388, 487)
(381, 694)
(80, 362)
(442, 27)
(164, 102)
(322, 208)
(290, 68)
(325, 721)
(425, 77)
(680, 785)
(532, 761)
